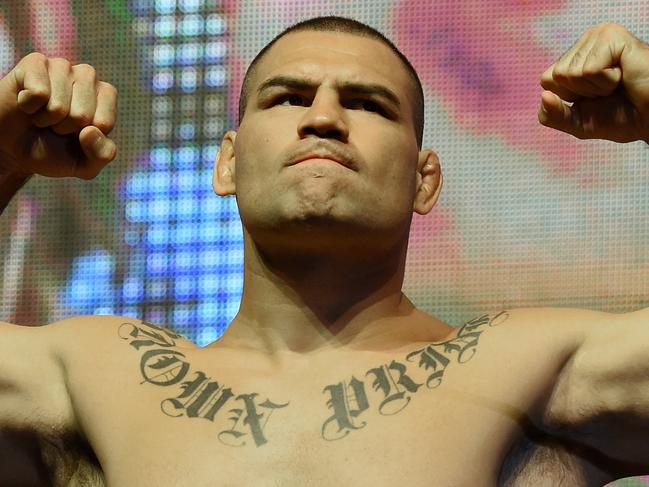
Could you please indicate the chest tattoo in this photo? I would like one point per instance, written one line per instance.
(395, 382)
(197, 394)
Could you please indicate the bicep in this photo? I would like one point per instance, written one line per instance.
(33, 393)
(600, 401)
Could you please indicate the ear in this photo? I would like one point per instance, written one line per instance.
(223, 178)
(429, 182)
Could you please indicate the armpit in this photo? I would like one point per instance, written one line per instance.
(29, 457)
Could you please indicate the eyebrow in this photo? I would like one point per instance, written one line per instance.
(348, 86)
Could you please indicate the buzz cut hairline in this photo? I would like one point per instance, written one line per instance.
(343, 25)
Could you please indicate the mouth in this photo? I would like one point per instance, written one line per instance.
(322, 159)
(319, 159)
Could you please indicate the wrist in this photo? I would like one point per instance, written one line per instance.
(10, 183)
(12, 179)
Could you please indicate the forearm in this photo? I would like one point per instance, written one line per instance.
(9, 186)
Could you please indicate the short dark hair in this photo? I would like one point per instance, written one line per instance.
(350, 26)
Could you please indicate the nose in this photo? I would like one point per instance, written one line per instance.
(325, 118)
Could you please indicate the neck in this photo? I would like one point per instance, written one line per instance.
(318, 301)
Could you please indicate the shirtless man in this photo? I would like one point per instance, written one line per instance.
(328, 375)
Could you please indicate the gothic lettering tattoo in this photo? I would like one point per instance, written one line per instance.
(200, 396)
(348, 400)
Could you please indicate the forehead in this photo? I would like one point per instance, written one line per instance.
(335, 56)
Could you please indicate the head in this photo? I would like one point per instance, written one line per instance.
(339, 89)
(350, 26)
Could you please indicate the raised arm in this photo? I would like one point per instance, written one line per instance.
(599, 89)
(600, 402)
(54, 118)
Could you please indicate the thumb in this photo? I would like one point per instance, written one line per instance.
(98, 149)
(556, 113)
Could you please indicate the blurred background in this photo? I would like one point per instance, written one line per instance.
(527, 217)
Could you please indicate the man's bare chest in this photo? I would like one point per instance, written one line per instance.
(422, 418)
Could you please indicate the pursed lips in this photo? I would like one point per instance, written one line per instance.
(326, 156)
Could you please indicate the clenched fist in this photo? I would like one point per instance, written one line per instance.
(606, 77)
(55, 118)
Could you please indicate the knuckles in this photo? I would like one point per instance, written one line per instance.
(84, 71)
(58, 109)
(59, 63)
(110, 89)
(572, 67)
(34, 57)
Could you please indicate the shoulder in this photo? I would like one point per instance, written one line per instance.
(555, 316)
(92, 334)
(549, 336)
(98, 324)
(567, 328)
(529, 349)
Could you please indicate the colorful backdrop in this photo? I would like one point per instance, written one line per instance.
(527, 216)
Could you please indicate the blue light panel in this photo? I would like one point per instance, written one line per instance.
(187, 250)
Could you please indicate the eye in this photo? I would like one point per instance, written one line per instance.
(292, 98)
(369, 106)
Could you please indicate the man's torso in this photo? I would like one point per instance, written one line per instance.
(156, 410)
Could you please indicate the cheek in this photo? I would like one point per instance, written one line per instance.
(396, 181)
(257, 165)
(261, 139)
(251, 156)
(396, 170)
